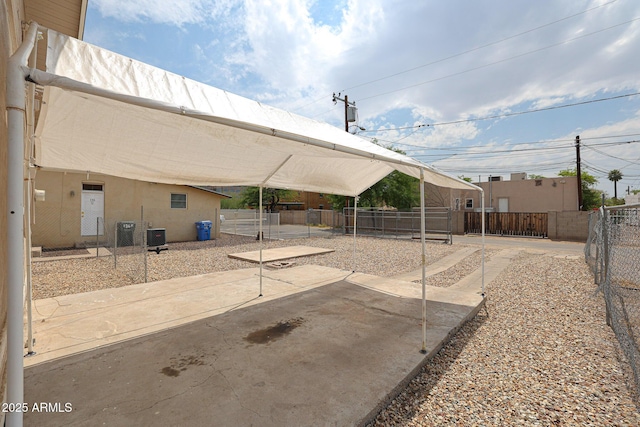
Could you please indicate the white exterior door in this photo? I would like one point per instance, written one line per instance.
(92, 209)
(503, 204)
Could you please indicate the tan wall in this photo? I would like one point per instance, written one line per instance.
(309, 200)
(319, 217)
(569, 226)
(573, 226)
(58, 218)
(11, 15)
(525, 196)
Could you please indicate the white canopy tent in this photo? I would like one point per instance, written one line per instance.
(109, 114)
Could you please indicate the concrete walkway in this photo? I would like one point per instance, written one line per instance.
(439, 266)
(322, 346)
(279, 254)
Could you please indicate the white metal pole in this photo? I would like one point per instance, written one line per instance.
(483, 218)
(355, 219)
(28, 195)
(29, 198)
(260, 236)
(16, 105)
(424, 265)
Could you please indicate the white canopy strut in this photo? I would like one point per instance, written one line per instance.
(109, 114)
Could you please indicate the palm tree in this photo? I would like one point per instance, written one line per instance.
(615, 176)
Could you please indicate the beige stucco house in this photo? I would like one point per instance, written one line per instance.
(518, 194)
(73, 201)
(85, 208)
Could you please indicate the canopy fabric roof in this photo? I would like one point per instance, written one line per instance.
(109, 114)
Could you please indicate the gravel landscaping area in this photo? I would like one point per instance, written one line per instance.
(381, 257)
(541, 354)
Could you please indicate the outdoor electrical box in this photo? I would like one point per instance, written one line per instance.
(352, 113)
(125, 233)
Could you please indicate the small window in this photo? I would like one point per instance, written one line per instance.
(178, 201)
(469, 204)
(457, 205)
(91, 187)
(321, 196)
(321, 207)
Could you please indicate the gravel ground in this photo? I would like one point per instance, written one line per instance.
(381, 257)
(541, 354)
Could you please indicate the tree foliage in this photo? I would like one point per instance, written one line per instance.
(591, 197)
(394, 190)
(270, 197)
(615, 175)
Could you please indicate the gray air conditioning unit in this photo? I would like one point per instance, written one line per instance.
(157, 237)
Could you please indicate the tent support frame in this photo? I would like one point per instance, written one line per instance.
(260, 234)
(355, 223)
(16, 117)
(423, 245)
(17, 72)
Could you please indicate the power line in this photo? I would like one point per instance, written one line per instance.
(478, 48)
(502, 60)
(457, 54)
(517, 113)
(612, 156)
(491, 150)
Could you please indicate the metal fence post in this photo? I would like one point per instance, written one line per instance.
(97, 236)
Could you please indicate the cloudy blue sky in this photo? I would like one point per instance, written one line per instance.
(476, 88)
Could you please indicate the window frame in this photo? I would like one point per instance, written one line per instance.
(467, 202)
(174, 203)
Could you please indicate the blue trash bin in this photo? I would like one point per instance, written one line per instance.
(204, 230)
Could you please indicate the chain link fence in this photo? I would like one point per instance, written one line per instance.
(246, 222)
(613, 253)
(398, 224)
(123, 243)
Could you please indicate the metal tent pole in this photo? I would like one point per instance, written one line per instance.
(424, 265)
(482, 208)
(29, 198)
(355, 219)
(260, 235)
(16, 105)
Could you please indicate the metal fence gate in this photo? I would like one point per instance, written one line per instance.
(508, 223)
(391, 223)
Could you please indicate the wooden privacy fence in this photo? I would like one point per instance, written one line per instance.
(508, 223)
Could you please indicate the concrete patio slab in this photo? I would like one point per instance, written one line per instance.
(329, 355)
(73, 323)
(278, 254)
(322, 346)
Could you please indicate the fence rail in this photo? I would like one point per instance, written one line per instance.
(438, 223)
(612, 251)
(247, 222)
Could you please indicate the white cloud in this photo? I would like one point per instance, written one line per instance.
(161, 11)
(410, 62)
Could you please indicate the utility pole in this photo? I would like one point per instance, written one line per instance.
(347, 107)
(578, 172)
